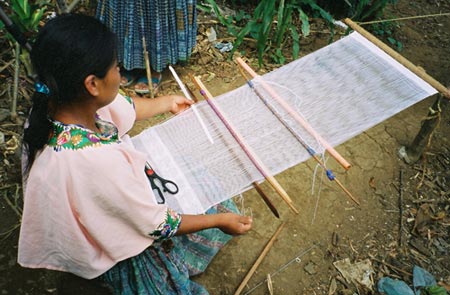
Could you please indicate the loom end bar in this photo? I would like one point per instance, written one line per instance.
(399, 58)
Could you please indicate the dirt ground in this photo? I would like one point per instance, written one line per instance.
(301, 260)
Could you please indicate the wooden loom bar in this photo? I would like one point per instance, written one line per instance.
(266, 199)
(398, 57)
(259, 260)
(240, 140)
(296, 116)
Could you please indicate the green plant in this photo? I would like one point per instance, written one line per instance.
(386, 30)
(367, 10)
(272, 25)
(27, 15)
(26, 18)
(276, 24)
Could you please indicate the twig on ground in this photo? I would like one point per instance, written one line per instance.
(16, 82)
(15, 207)
(400, 208)
(6, 65)
(259, 260)
(392, 267)
(7, 233)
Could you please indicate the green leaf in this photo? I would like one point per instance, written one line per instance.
(16, 7)
(392, 40)
(435, 290)
(36, 18)
(325, 15)
(280, 16)
(278, 57)
(282, 25)
(296, 42)
(266, 9)
(231, 28)
(305, 22)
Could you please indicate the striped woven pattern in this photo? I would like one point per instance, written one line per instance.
(165, 267)
(169, 28)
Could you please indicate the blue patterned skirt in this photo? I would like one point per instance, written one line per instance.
(169, 28)
(165, 268)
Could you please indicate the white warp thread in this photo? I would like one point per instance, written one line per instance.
(342, 90)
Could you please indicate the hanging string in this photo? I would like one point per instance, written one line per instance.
(403, 18)
(299, 138)
(316, 207)
(243, 210)
(257, 82)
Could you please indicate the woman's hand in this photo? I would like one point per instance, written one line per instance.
(234, 224)
(149, 107)
(178, 103)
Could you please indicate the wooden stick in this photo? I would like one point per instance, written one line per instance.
(299, 139)
(296, 116)
(240, 140)
(194, 107)
(259, 260)
(194, 98)
(393, 267)
(395, 55)
(266, 199)
(147, 68)
(16, 82)
(400, 208)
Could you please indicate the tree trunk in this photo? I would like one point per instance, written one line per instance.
(414, 152)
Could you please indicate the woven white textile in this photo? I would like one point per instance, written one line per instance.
(342, 90)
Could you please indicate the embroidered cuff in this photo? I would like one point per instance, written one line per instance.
(169, 227)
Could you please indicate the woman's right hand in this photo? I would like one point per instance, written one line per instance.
(234, 224)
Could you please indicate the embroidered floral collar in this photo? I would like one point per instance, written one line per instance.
(75, 137)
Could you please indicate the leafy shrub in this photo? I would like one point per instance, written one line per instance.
(276, 23)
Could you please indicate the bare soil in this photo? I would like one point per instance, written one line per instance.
(301, 259)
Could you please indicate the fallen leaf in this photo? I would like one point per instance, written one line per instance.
(372, 183)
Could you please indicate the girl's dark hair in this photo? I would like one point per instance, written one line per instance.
(68, 49)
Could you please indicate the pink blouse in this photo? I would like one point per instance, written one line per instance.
(87, 201)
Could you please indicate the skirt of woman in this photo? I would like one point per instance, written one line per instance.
(169, 28)
(165, 268)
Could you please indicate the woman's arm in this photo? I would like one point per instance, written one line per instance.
(149, 107)
(229, 223)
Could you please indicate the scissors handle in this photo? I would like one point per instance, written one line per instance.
(157, 182)
(166, 185)
(157, 192)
